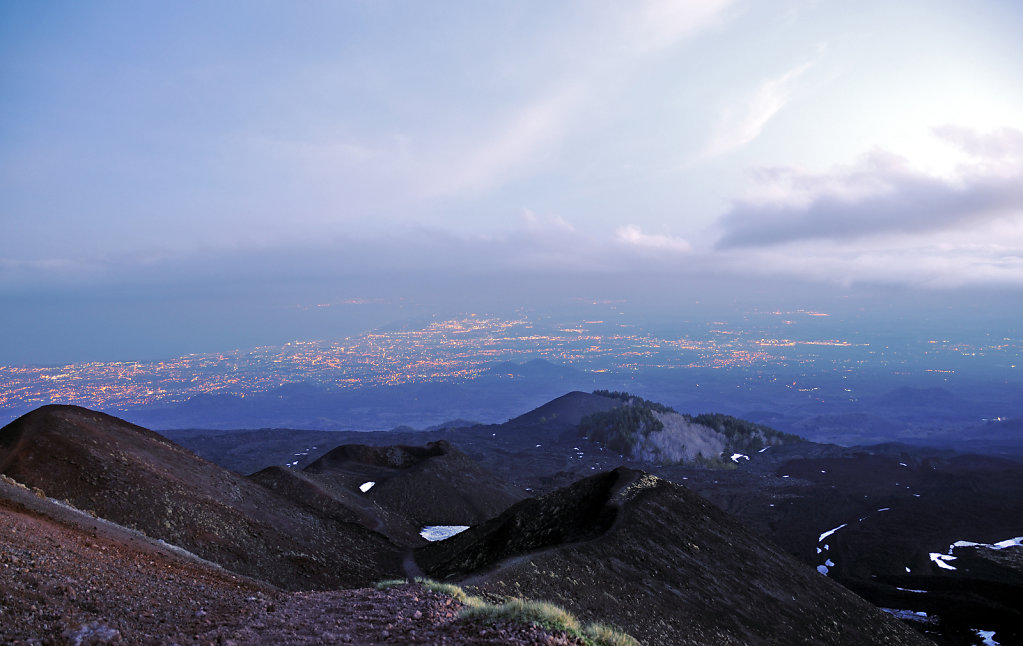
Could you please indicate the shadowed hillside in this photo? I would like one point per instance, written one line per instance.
(135, 477)
(661, 563)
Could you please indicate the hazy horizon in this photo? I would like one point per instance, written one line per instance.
(194, 178)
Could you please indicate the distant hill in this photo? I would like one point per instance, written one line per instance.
(650, 432)
(661, 563)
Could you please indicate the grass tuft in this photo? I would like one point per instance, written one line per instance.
(387, 584)
(550, 617)
(541, 613)
(604, 635)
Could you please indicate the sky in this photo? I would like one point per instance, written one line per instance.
(190, 176)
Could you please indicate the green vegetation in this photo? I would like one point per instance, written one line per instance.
(540, 613)
(620, 428)
(744, 436)
(549, 617)
(452, 590)
(634, 400)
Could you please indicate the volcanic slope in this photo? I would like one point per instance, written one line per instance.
(416, 486)
(138, 479)
(69, 578)
(661, 563)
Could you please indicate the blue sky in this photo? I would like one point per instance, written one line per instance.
(315, 152)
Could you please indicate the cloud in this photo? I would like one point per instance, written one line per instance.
(881, 195)
(1002, 144)
(633, 236)
(739, 125)
(991, 255)
(516, 144)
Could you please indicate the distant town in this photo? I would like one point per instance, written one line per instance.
(462, 348)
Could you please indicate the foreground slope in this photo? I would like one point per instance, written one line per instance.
(69, 578)
(137, 478)
(661, 563)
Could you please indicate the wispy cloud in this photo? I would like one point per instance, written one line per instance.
(740, 124)
(656, 24)
(515, 144)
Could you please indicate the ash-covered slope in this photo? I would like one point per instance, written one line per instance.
(415, 486)
(137, 478)
(660, 562)
(69, 578)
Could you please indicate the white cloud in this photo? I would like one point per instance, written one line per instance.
(740, 124)
(633, 236)
(884, 221)
(992, 255)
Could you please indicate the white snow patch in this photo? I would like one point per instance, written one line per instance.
(885, 509)
(823, 569)
(987, 635)
(908, 570)
(366, 486)
(736, 456)
(909, 614)
(941, 560)
(1000, 545)
(440, 532)
(829, 563)
(763, 449)
(911, 590)
(830, 532)
(818, 550)
(903, 464)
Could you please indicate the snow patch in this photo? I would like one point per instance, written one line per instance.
(830, 532)
(829, 563)
(823, 569)
(1000, 545)
(988, 637)
(440, 532)
(366, 486)
(941, 560)
(909, 614)
(737, 456)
